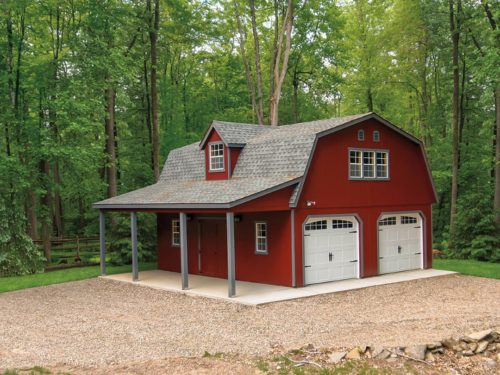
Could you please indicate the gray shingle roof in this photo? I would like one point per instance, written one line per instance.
(272, 158)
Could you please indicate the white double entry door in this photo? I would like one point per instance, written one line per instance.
(331, 249)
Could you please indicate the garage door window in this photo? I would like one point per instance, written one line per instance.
(316, 225)
(388, 221)
(339, 224)
(408, 220)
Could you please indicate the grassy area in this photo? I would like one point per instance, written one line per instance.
(469, 267)
(8, 284)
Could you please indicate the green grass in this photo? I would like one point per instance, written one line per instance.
(469, 267)
(8, 284)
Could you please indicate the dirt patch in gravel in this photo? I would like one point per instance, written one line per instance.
(107, 323)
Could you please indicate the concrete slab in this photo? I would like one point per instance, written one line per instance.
(255, 294)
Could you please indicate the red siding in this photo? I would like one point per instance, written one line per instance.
(235, 154)
(273, 268)
(408, 189)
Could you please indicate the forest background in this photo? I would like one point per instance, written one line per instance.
(95, 93)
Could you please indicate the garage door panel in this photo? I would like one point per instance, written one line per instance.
(330, 249)
(400, 242)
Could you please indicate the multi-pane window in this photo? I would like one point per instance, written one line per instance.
(408, 220)
(176, 233)
(261, 237)
(376, 136)
(361, 135)
(316, 225)
(355, 164)
(368, 164)
(340, 224)
(216, 156)
(388, 221)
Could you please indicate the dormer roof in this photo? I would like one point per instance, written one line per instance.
(234, 134)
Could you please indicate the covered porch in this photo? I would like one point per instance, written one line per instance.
(254, 294)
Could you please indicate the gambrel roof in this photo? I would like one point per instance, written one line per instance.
(272, 157)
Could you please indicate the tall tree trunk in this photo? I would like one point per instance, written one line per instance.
(272, 82)
(9, 66)
(148, 111)
(496, 204)
(455, 38)
(258, 70)
(58, 206)
(31, 215)
(248, 74)
(153, 35)
(281, 67)
(110, 142)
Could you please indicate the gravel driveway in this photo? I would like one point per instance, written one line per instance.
(96, 322)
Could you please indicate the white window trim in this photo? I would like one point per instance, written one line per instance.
(173, 243)
(374, 150)
(257, 250)
(210, 168)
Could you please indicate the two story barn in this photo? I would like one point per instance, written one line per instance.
(291, 205)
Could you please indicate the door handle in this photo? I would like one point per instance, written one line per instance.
(399, 249)
(330, 257)
(307, 266)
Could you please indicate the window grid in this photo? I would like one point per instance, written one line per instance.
(316, 225)
(361, 135)
(376, 136)
(408, 220)
(217, 157)
(176, 233)
(388, 221)
(368, 164)
(339, 224)
(261, 237)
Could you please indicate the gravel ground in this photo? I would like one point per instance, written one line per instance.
(103, 322)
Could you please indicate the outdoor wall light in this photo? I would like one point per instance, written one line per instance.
(189, 217)
(237, 218)
(310, 203)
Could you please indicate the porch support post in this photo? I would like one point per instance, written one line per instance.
(292, 219)
(102, 242)
(133, 230)
(184, 250)
(231, 279)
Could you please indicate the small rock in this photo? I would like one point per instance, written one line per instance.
(416, 351)
(434, 345)
(429, 357)
(490, 363)
(480, 335)
(449, 343)
(353, 354)
(309, 347)
(376, 350)
(468, 353)
(457, 348)
(464, 346)
(393, 355)
(363, 349)
(384, 354)
(498, 346)
(473, 346)
(481, 347)
(466, 339)
(336, 357)
(438, 351)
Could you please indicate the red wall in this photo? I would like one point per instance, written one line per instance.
(408, 189)
(273, 268)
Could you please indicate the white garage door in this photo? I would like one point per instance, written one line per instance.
(330, 249)
(400, 242)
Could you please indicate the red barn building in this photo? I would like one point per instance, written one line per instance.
(291, 205)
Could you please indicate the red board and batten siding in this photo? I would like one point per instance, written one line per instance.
(407, 190)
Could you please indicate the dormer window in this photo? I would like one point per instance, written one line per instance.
(216, 157)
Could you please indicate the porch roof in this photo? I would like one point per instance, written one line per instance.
(198, 193)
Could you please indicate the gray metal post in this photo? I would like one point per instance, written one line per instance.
(135, 265)
(292, 219)
(102, 242)
(184, 250)
(231, 277)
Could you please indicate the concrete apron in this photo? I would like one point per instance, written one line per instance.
(254, 294)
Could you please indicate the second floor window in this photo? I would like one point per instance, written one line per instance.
(216, 157)
(368, 164)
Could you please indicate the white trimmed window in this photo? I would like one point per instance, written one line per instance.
(216, 157)
(368, 164)
(176, 233)
(361, 135)
(261, 237)
(376, 136)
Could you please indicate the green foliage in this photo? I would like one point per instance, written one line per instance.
(18, 255)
